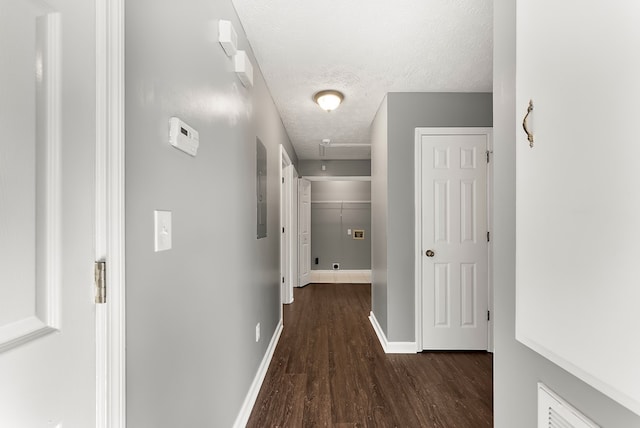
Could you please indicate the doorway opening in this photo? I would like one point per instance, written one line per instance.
(337, 213)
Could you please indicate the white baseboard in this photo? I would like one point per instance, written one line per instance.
(252, 395)
(346, 276)
(391, 347)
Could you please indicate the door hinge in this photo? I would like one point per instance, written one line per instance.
(283, 279)
(488, 315)
(100, 273)
(488, 236)
(283, 230)
(489, 155)
(282, 180)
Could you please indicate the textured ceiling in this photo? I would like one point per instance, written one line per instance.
(363, 48)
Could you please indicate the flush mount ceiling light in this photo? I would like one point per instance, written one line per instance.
(328, 100)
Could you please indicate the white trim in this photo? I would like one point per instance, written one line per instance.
(417, 186)
(46, 318)
(295, 276)
(110, 220)
(286, 215)
(417, 218)
(339, 276)
(490, 339)
(340, 202)
(391, 347)
(250, 399)
(376, 327)
(605, 388)
(338, 177)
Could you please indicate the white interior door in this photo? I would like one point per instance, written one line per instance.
(47, 170)
(577, 206)
(304, 231)
(454, 239)
(293, 236)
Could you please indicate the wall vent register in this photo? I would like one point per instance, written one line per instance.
(554, 412)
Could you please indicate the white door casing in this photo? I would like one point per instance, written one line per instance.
(451, 180)
(286, 250)
(109, 214)
(304, 231)
(293, 236)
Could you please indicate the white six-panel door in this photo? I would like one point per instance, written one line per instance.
(454, 243)
(47, 207)
(304, 231)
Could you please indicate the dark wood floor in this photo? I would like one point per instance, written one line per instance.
(329, 370)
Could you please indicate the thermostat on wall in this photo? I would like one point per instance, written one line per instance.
(183, 137)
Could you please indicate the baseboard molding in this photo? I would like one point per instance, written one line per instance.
(252, 395)
(346, 276)
(391, 347)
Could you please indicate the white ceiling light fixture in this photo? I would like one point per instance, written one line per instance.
(329, 99)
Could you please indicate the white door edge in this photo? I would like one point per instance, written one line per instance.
(285, 221)
(418, 224)
(110, 219)
(304, 228)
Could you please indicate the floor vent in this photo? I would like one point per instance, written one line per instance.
(554, 412)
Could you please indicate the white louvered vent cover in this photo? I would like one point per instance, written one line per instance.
(554, 412)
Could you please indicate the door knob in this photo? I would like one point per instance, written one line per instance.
(430, 253)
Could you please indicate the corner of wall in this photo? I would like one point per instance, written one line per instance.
(379, 204)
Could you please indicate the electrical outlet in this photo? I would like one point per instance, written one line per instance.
(258, 332)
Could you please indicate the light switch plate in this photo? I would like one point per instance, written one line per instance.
(162, 230)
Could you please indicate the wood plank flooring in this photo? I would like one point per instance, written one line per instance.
(329, 370)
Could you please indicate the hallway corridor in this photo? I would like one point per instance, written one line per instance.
(329, 370)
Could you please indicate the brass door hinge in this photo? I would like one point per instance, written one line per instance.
(100, 272)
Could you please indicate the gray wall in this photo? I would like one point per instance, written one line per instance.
(379, 205)
(192, 310)
(517, 369)
(334, 168)
(340, 191)
(406, 111)
(331, 219)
